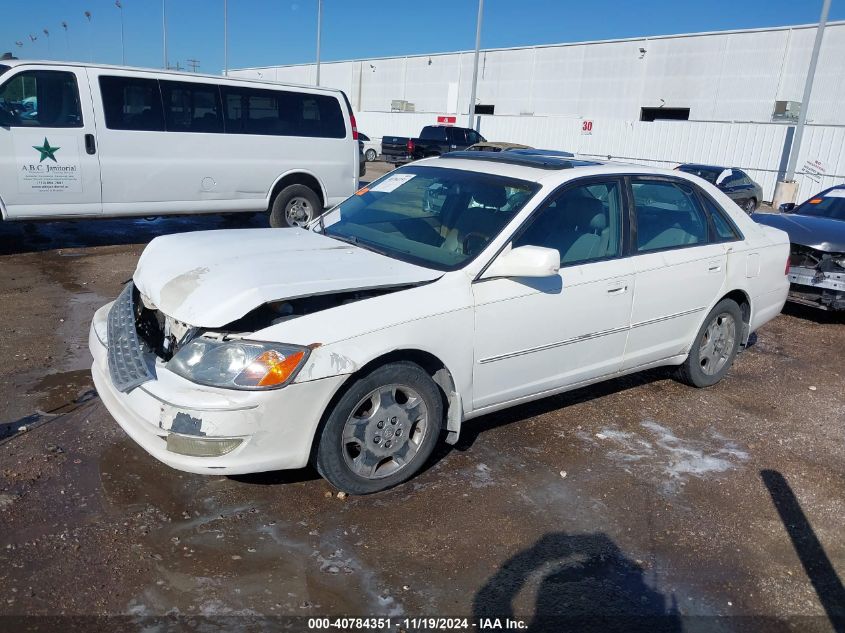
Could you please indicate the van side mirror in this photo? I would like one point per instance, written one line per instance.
(525, 261)
(787, 207)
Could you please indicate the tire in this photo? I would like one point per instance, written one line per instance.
(715, 346)
(366, 447)
(749, 206)
(294, 206)
(370, 156)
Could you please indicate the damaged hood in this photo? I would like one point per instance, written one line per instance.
(211, 278)
(822, 234)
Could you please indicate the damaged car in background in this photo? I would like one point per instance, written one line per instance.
(448, 289)
(816, 231)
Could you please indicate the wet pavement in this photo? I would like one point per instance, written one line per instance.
(635, 503)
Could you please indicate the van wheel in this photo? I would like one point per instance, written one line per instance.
(715, 347)
(295, 206)
(382, 430)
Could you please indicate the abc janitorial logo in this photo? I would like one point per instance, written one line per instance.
(48, 165)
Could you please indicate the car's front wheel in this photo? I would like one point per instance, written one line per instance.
(382, 430)
(750, 206)
(370, 155)
(715, 346)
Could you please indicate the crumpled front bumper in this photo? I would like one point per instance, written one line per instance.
(276, 428)
(812, 287)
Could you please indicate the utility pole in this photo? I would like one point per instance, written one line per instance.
(67, 38)
(319, 28)
(475, 63)
(787, 190)
(194, 64)
(808, 88)
(225, 38)
(164, 30)
(119, 5)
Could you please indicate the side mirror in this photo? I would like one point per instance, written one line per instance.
(787, 207)
(525, 261)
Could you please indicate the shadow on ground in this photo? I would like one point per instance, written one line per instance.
(583, 583)
(34, 237)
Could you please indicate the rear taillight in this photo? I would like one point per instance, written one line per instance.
(788, 263)
(410, 146)
(354, 125)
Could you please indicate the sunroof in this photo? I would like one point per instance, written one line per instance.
(538, 161)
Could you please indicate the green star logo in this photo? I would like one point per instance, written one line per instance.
(47, 151)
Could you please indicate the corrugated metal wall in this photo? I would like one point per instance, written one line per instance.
(723, 76)
(756, 147)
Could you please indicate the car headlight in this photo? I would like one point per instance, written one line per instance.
(238, 364)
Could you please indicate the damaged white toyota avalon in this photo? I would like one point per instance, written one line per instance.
(448, 289)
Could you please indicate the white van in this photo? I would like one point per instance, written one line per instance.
(78, 140)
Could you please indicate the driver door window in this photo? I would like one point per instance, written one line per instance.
(583, 223)
(41, 98)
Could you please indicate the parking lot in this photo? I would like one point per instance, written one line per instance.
(632, 499)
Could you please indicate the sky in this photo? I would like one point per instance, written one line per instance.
(273, 32)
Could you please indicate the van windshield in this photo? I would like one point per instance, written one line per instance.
(430, 216)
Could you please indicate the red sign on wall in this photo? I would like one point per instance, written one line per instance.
(447, 120)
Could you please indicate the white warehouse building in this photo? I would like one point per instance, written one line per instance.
(739, 90)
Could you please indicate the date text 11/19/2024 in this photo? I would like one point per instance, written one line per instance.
(422, 623)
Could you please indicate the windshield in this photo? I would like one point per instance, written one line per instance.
(434, 217)
(829, 205)
(709, 175)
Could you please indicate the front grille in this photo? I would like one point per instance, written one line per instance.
(127, 365)
(806, 257)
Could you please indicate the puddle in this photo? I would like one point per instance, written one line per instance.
(219, 550)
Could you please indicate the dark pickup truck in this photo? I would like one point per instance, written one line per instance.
(433, 141)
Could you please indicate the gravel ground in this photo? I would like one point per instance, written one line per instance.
(635, 503)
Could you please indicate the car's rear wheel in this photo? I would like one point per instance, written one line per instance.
(294, 206)
(750, 206)
(715, 346)
(370, 155)
(382, 430)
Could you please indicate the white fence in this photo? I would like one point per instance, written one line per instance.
(755, 147)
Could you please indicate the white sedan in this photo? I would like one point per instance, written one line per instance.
(448, 289)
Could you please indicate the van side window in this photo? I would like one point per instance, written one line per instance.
(132, 103)
(191, 107)
(41, 98)
(668, 215)
(281, 113)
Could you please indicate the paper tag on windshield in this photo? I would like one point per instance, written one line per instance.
(836, 193)
(393, 182)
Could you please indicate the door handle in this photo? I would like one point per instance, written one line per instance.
(617, 290)
(714, 267)
(90, 144)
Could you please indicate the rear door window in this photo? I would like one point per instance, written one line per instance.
(41, 98)
(132, 103)
(191, 107)
(668, 215)
(281, 113)
(724, 228)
